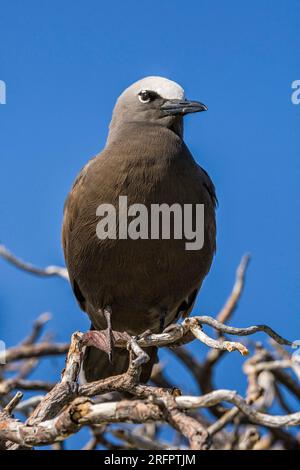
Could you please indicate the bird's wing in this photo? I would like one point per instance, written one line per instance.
(187, 304)
(209, 186)
(71, 210)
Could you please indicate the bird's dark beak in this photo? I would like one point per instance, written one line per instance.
(183, 107)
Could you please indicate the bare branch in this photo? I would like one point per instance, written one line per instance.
(67, 406)
(33, 350)
(37, 328)
(204, 320)
(49, 271)
(231, 396)
(140, 442)
(231, 304)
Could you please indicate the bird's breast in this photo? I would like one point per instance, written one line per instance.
(143, 274)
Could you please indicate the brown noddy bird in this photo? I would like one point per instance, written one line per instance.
(135, 285)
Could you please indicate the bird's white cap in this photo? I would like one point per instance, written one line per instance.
(162, 86)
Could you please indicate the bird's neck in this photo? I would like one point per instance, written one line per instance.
(177, 126)
(117, 132)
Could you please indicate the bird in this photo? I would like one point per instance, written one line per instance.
(137, 285)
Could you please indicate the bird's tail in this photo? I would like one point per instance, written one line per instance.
(96, 364)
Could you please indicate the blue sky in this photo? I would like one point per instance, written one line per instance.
(64, 64)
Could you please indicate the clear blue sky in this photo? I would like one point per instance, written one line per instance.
(64, 64)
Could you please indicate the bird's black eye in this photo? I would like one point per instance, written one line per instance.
(145, 96)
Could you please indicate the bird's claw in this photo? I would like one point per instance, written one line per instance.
(109, 333)
(144, 335)
(172, 327)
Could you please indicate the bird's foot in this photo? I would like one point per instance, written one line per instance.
(99, 339)
(144, 335)
(177, 328)
(109, 333)
(172, 328)
(102, 339)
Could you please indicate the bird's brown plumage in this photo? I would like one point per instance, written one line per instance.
(138, 278)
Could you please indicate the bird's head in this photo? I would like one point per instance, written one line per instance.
(155, 100)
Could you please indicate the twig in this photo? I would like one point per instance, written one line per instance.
(227, 417)
(205, 320)
(37, 327)
(33, 350)
(13, 402)
(49, 271)
(191, 325)
(231, 396)
(10, 384)
(66, 390)
(235, 295)
(249, 439)
(212, 343)
(140, 442)
(83, 412)
(28, 405)
(67, 406)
